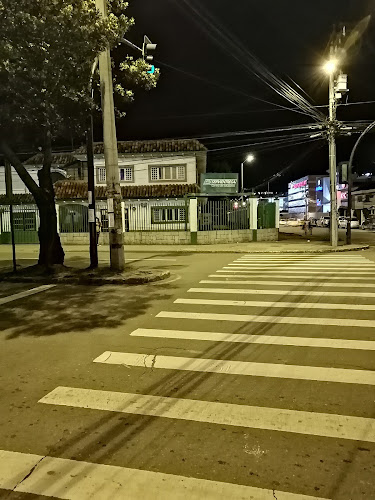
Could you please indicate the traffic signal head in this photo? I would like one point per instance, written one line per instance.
(148, 49)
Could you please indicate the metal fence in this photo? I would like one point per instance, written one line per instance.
(158, 215)
(222, 214)
(25, 223)
(73, 218)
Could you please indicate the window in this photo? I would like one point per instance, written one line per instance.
(104, 220)
(24, 221)
(161, 215)
(168, 173)
(126, 174)
(101, 174)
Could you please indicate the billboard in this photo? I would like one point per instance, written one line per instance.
(219, 183)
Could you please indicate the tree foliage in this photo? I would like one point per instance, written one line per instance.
(47, 51)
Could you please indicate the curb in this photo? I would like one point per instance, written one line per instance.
(94, 280)
(250, 251)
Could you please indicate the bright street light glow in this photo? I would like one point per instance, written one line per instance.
(330, 66)
(250, 158)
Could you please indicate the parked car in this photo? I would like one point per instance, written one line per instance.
(343, 223)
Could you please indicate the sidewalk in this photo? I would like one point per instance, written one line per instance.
(291, 245)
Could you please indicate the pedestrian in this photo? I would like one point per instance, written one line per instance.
(309, 227)
(98, 229)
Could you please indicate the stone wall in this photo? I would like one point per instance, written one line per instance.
(268, 234)
(176, 237)
(132, 238)
(214, 237)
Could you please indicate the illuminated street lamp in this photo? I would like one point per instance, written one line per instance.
(249, 159)
(331, 66)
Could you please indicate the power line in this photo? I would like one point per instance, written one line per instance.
(251, 64)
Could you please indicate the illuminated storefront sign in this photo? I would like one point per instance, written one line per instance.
(299, 185)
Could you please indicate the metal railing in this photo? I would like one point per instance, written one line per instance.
(222, 214)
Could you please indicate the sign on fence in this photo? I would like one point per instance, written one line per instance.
(219, 183)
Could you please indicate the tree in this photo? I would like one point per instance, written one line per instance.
(47, 50)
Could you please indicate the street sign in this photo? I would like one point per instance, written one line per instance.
(219, 183)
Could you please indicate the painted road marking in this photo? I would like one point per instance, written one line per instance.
(26, 293)
(293, 305)
(288, 283)
(300, 274)
(78, 480)
(146, 258)
(305, 259)
(250, 291)
(285, 320)
(254, 417)
(224, 367)
(325, 267)
(365, 345)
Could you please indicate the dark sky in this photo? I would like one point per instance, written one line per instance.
(204, 90)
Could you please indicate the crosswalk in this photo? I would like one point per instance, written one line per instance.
(293, 335)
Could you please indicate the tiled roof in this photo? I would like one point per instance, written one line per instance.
(17, 199)
(77, 190)
(155, 146)
(57, 159)
(69, 190)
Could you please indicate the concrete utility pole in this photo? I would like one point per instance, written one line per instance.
(332, 156)
(116, 237)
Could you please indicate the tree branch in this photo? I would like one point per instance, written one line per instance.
(26, 178)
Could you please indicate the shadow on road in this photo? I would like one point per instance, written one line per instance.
(77, 308)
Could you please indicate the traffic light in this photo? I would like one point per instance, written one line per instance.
(343, 172)
(148, 49)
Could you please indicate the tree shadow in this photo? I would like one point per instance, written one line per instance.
(68, 308)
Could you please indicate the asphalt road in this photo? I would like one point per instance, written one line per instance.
(239, 377)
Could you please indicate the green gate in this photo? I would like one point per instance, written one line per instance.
(266, 215)
(25, 221)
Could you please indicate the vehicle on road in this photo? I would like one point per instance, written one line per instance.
(343, 223)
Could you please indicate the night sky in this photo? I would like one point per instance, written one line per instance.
(204, 90)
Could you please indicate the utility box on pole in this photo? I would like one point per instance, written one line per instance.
(116, 237)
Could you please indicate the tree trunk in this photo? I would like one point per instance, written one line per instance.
(50, 252)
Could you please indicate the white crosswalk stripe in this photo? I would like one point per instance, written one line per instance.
(256, 339)
(79, 480)
(277, 320)
(336, 375)
(285, 283)
(295, 293)
(289, 305)
(274, 419)
(296, 274)
(341, 288)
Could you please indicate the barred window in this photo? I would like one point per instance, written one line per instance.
(126, 174)
(168, 214)
(168, 173)
(101, 174)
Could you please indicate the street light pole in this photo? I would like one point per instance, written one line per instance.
(116, 238)
(250, 158)
(332, 158)
(242, 177)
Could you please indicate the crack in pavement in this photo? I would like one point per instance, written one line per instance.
(274, 494)
(27, 475)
